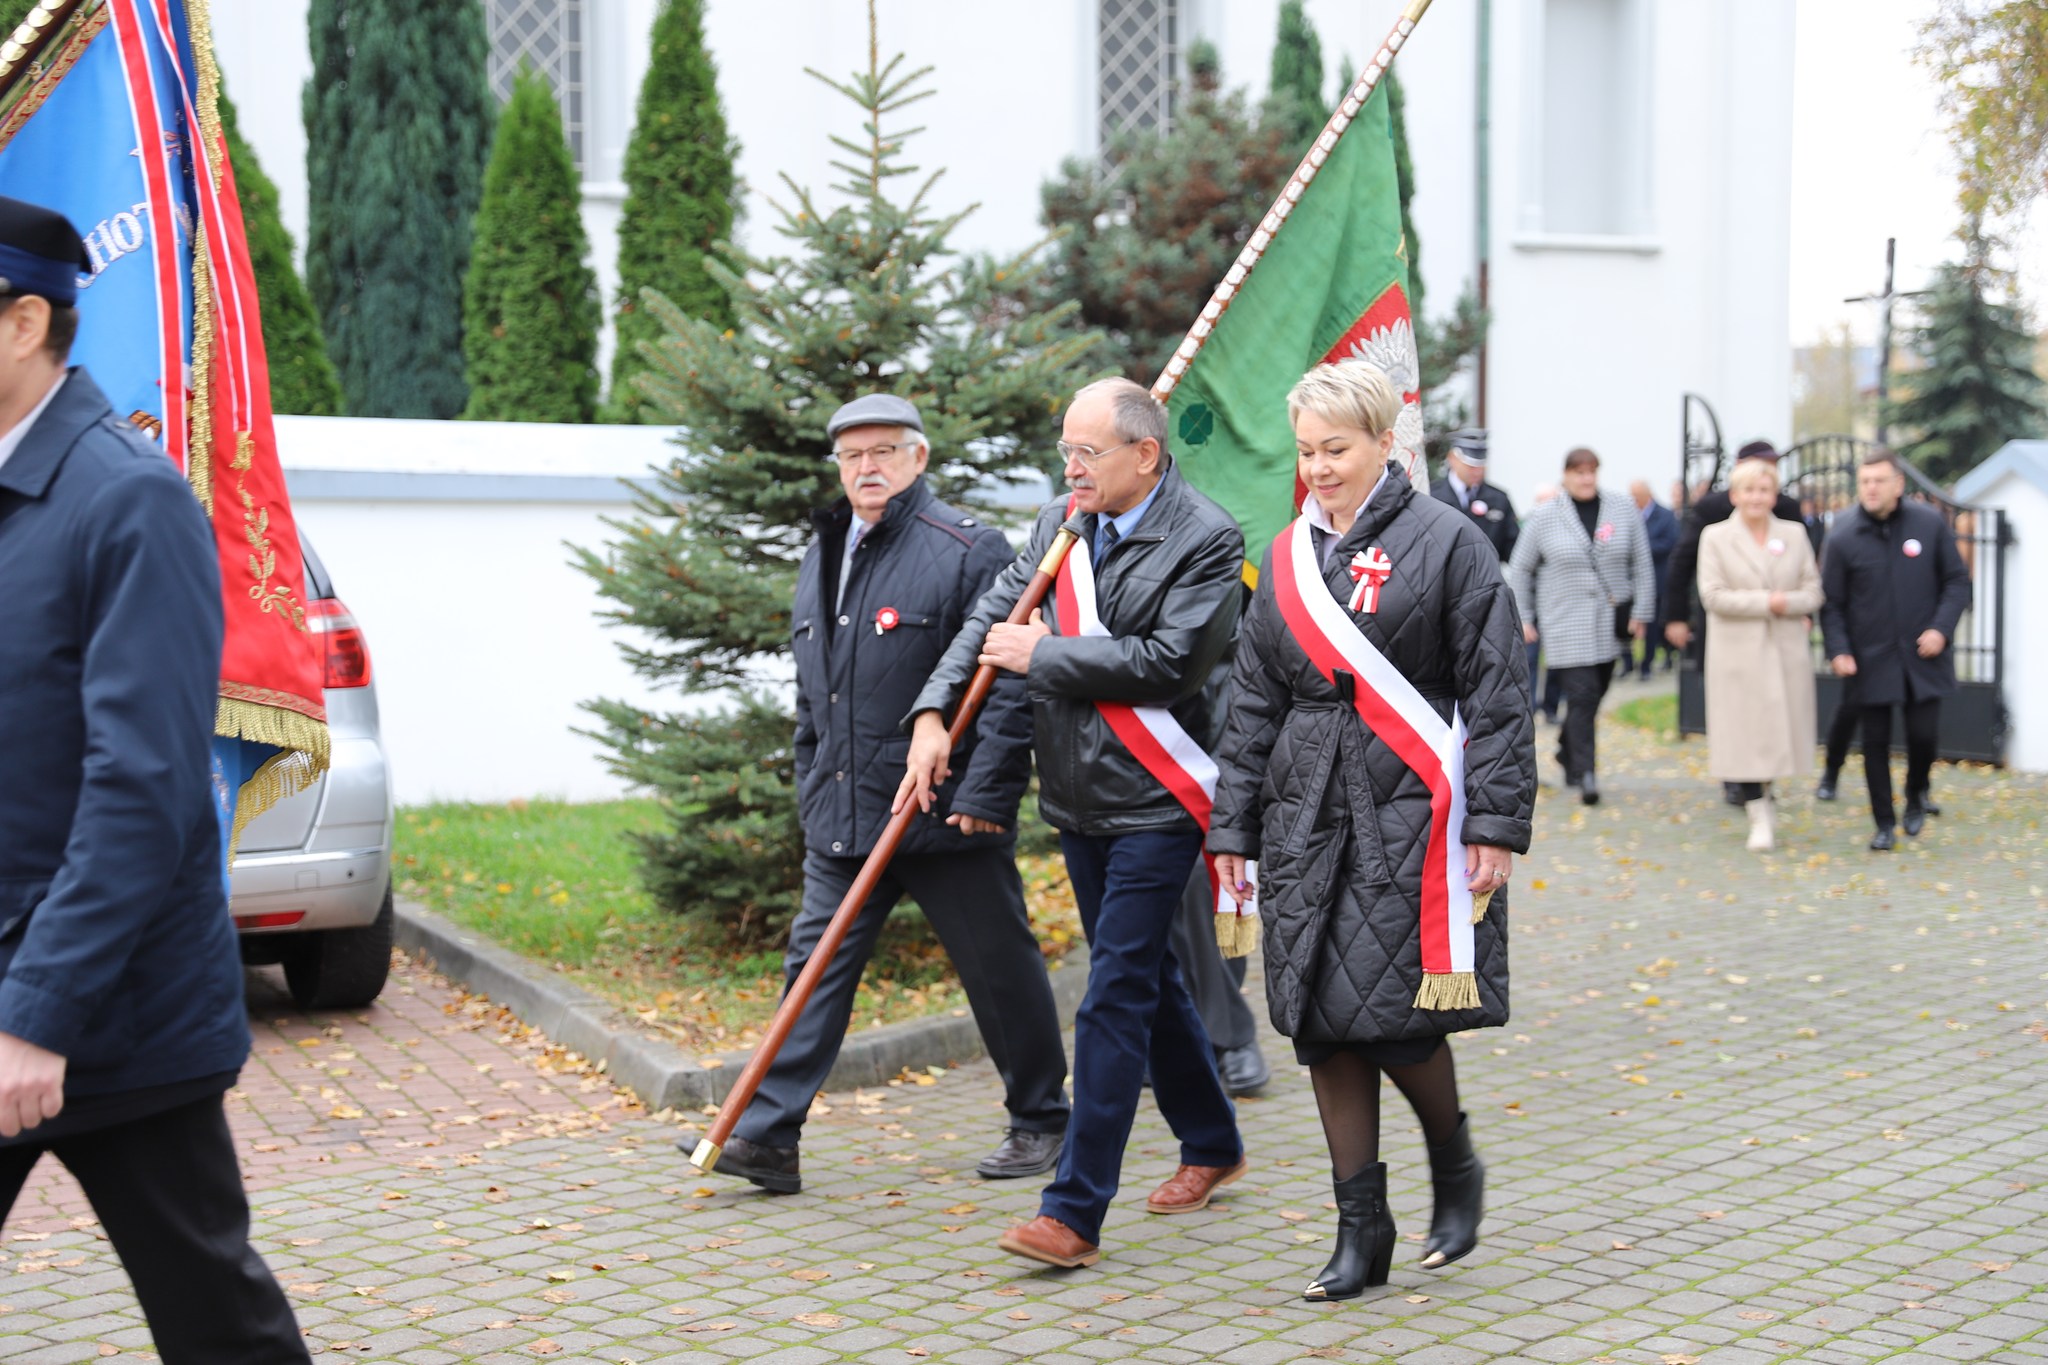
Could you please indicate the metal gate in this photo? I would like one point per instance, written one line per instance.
(1820, 474)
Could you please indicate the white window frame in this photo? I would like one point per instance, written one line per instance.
(1637, 233)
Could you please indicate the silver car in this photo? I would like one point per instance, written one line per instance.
(311, 887)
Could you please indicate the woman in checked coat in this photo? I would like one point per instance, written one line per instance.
(1381, 646)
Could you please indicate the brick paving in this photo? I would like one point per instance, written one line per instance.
(1750, 1109)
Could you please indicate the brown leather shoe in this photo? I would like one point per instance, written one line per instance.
(1051, 1241)
(1191, 1186)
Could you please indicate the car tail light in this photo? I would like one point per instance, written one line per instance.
(348, 653)
(275, 920)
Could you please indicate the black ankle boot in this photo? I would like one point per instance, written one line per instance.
(1459, 1182)
(1365, 1237)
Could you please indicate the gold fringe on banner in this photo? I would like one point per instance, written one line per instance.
(1480, 900)
(304, 746)
(1448, 991)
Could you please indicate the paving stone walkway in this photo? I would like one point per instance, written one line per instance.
(1777, 1108)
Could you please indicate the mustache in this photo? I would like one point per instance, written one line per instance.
(871, 481)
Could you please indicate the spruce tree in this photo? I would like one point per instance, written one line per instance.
(1144, 242)
(1978, 389)
(398, 124)
(1404, 177)
(868, 298)
(680, 192)
(529, 305)
(302, 378)
(1294, 89)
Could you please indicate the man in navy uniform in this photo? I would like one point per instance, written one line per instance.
(1464, 487)
(121, 1016)
(892, 575)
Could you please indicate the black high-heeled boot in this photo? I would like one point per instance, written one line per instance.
(1365, 1237)
(1458, 1180)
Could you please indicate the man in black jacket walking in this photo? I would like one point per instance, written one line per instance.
(891, 576)
(1153, 608)
(1895, 589)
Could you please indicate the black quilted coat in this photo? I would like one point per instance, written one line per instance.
(1336, 819)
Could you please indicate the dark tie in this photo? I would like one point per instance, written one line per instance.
(1105, 540)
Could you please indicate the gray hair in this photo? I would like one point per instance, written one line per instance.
(1134, 412)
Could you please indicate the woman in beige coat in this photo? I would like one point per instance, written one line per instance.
(1759, 583)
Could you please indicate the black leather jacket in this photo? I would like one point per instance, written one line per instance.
(1170, 593)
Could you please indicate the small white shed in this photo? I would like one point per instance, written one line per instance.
(2015, 481)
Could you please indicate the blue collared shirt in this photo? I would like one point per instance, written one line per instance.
(1125, 522)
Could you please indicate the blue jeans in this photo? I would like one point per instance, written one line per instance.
(1137, 1009)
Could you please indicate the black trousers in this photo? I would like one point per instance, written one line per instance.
(1923, 720)
(1216, 981)
(168, 1191)
(1846, 724)
(975, 901)
(1584, 687)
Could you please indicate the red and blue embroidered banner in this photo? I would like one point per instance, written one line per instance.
(109, 115)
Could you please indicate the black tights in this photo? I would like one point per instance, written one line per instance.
(1348, 1095)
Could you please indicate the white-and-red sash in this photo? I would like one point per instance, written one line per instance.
(1401, 719)
(1153, 736)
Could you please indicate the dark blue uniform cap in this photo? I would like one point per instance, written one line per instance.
(40, 253)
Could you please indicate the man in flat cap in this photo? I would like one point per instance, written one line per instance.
(887, 583)
(121, 1016)
(1464, 487)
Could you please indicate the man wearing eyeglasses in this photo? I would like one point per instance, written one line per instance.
(1146, 608)
(890, 577)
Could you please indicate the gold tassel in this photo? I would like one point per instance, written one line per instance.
(1237, 935)
(1448, 991)
(1480, 901)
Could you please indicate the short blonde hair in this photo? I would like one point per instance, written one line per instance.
(1352, 393)
(1747, 472)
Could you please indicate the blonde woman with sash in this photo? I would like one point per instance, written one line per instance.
(1379, 767)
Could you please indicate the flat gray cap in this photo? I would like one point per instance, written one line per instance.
(1470, 443)
(875, 410)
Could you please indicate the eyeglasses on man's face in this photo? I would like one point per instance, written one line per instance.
(1087, 455)
(881, 455)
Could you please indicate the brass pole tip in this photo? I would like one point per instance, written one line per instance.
(706, 1155)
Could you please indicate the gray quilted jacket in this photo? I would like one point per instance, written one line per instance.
(1336, 819)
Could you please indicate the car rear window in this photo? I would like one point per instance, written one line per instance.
(318, 585)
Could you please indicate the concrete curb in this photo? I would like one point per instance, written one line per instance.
(663, 1076)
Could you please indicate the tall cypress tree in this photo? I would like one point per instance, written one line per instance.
(302, 378)
(529, 305)
(398, 123)
(1404, 178)
(1978, 389)
(1294, 88)
(679, 195)
(869, 299)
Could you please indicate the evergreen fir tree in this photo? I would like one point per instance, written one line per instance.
(302, 378)
(680, 192)
(1978, 389)
(867, 299)
(398, 124)
(1145, 242)
(1294, 89)
(529, 306)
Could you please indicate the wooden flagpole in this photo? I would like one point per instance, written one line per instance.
(21, 47)
(705, 1157)
(1276, 217)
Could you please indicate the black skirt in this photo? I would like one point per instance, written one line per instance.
(1396, 1052)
